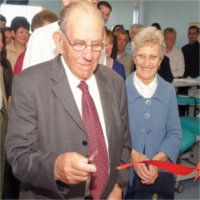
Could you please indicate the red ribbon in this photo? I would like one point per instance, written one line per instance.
(168, 166)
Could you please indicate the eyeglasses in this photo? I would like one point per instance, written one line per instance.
(81, 46)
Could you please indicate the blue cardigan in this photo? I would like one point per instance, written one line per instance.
(154, 123)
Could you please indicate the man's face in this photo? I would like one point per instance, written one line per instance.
(105, 13)
(83, 30)
(66, 2)
(121, 41)
(2, 24)
(193, 35)
(8, 36)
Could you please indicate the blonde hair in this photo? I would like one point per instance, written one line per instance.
(169, 30)
(148, 36)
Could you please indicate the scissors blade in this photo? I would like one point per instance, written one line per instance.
(92, 157)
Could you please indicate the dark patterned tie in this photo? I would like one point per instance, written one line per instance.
(96, 142)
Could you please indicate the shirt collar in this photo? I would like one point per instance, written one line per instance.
(74, 81)
(146, 91)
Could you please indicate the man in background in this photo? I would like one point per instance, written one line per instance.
(41, 46)
(64, 110)
(105, 9)
(191, 53)
(122, 56)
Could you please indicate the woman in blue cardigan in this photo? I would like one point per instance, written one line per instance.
(153, 114)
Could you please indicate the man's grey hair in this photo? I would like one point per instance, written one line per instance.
(148, 36)
(83, 8)
(122, 31)
(135, 26)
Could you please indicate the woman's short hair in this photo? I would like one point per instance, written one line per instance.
(135, 26)
(18, 22)
(42, 17)
(169, 30)
(109, 35)
(148, 36)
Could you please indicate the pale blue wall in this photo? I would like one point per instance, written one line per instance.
(52, 5)
(176, 14)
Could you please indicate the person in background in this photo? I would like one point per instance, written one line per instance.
(5, 94)
(105, 9)
(110, 62)
(174, 54)
(157, 25)
(153, 114)
(41, 19)
(117, 27)
(2, 21)
(165, 70)
(64, 110)
(122, 56)
(41, 46)
(133, 30)
(191, 53)
(20, 31)
(8, 35)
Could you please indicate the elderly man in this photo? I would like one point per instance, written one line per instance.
(41, 46)
(64, 110)
(191, 53)
(122, 56)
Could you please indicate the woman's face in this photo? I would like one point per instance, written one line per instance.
(21, 36)
(170, 40)
(108, 47)
(1, 41)
(147, 62)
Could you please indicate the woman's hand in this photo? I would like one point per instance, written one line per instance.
(154, 170)
(140, 168)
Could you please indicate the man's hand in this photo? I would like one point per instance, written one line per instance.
(116, 193)
(73, 168)
(140, 168)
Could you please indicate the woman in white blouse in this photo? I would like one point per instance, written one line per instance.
(175, 55)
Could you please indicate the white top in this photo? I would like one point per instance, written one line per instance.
(177, 63)
(94, 92)
(41, 47)
(146, 91)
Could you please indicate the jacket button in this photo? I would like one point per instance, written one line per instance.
(147, 116)
(84, 143)
(148, 103)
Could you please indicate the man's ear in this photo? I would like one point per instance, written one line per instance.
(58, 39)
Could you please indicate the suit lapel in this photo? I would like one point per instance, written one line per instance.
(105, 100)
(62, 90)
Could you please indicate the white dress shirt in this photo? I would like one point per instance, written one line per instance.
(94, 92)
(146, 91)
(177, 63)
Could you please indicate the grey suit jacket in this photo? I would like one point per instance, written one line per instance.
(45, 122)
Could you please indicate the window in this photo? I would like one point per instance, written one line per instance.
(11, 11)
